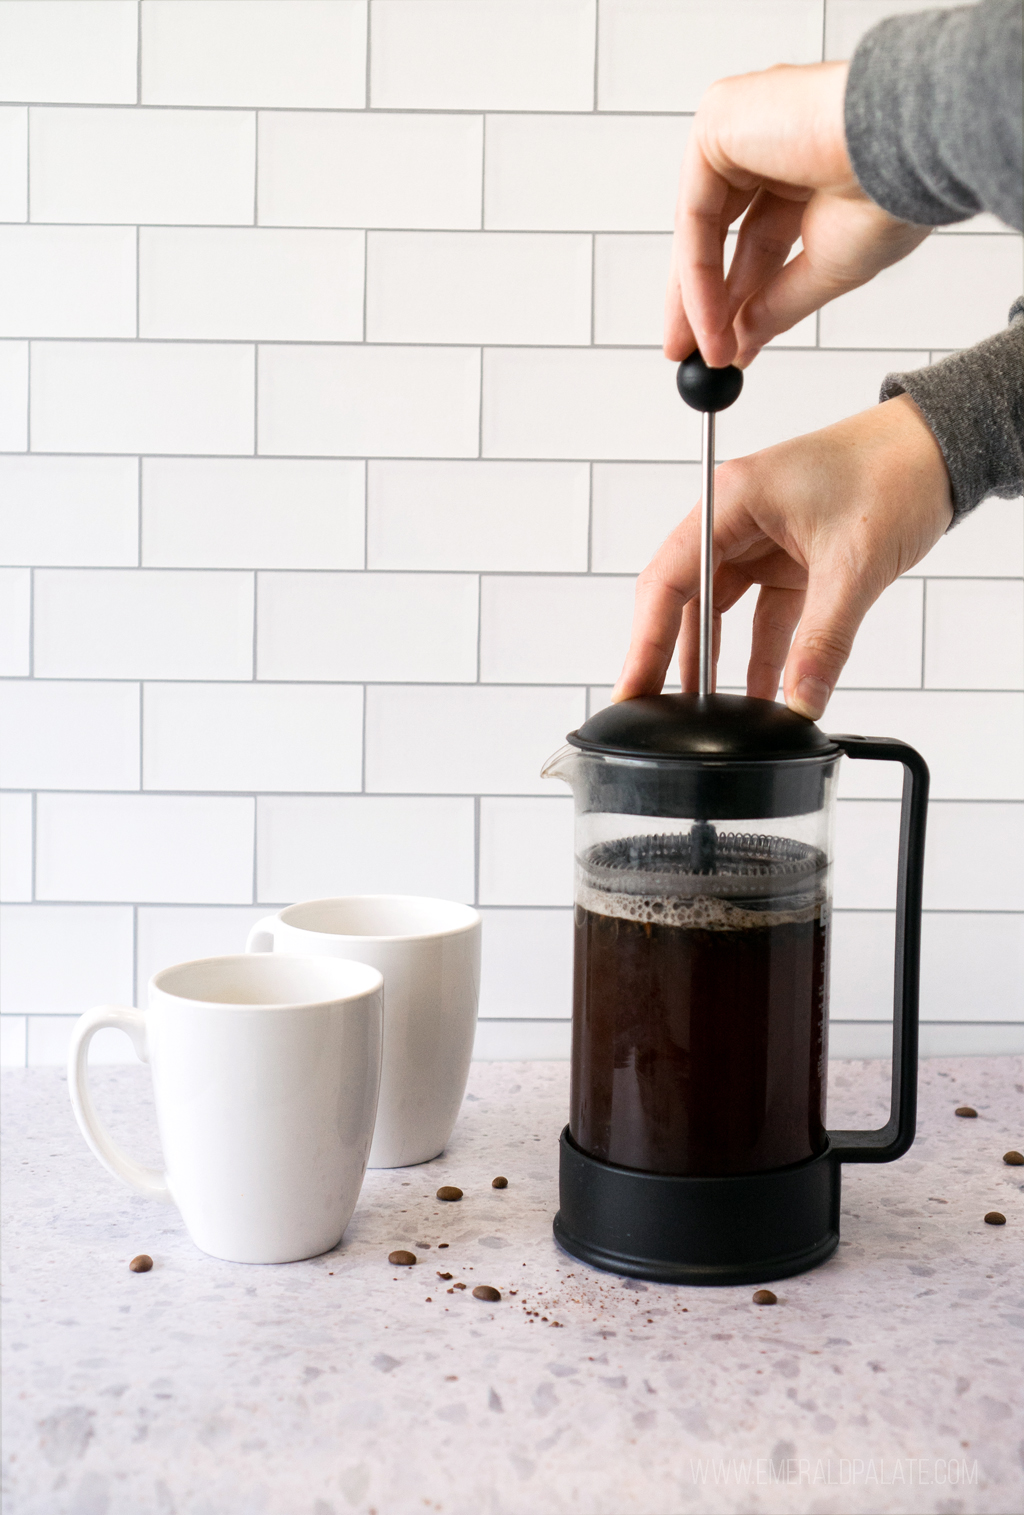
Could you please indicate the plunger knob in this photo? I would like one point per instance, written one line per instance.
(708, 389)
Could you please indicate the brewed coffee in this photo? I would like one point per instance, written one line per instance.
(700, 995)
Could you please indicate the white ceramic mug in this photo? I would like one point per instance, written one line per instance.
(429, 953)
(265, 1077)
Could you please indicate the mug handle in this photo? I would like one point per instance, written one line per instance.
(261, 937)
(149, 1181)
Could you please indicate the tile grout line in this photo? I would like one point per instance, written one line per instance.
(924, 626)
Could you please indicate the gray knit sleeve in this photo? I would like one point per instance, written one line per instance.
(934, 114)
(974, 403)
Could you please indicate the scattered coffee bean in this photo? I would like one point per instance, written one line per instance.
(993, 1218)
(765, 1297)
(451, 1378)
(449, 1191)
(1015, 1159)
(458, 1286)
(141, 1264)
(966, 1110)
(484, 1291)
(444, 1275)
(442, 1244)
(401, 1259)
(499, 1183)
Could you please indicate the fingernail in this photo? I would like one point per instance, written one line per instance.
(810, 697)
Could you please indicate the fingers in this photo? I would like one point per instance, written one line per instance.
(708, 203)
(767, 233)
(679, 340)
(838, 598)
(775, 619)
(662, 591)
(730, 583)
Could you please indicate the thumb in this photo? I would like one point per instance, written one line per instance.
(836, 604)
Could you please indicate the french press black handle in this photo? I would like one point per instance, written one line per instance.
(892, 1140)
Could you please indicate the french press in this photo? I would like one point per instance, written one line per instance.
(696, 1149)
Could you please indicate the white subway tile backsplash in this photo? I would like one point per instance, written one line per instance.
(49, 1042)
(252, 513)
(972, 967)
(57, 735)
(63, 959)
(383, 401)
(887, 650)
(635, 507)
(512, 517)
(973, 743)
(67, 281)
(13, 1037)
(383, 626)
(554, 630)
(974, 631)
(147, 623)
(862, 967)
(170, 934)
(866, 853)
(156, 166)
(13, 162)
(254, 52)
(370, 170)
(147, 848)
(73, 512)
(69, 50)
(630, 278)
(15, 846)
(526, 967)
(234, 283)
(483, 55)
(972, 861)
(653, 56)
(142, 397)
(846, 21)
(252, 736)
(582, 173)
(468, 740)
(526, 852)
(584, 404)
(315, 848)
(786, 394)
(989, 542)
(15, 621)
(521, 1041)
(950, 292)
(500, 287)
(13, 396)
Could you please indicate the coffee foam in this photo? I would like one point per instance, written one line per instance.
(700, 912)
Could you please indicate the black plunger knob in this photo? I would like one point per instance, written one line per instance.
(705, 388)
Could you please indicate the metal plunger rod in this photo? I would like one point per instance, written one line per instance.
(707, 538)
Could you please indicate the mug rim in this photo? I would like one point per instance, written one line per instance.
(468, 924)
(248, 958)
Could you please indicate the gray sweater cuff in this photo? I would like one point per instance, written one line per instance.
(933, 114)
(974, 403)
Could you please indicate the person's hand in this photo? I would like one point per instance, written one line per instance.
(772, 145)
(823, 523)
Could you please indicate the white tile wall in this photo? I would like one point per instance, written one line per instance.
(67, 281)
(233, 283)
(126, 624)
(517, 517)
(143, 166)
(402, 170)
(254, 52)
(483, 55)
(13, 163)
(69, 512)
(252, 736)
(653, 56)
(503, 287)
(77, 735)
(357, 626)
(252, 513)
(846, 21)
(347, 431)
(142, 397)
(81, 50)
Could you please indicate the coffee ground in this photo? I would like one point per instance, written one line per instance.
(141, 1264)
(401, 1259)
(449, 1191)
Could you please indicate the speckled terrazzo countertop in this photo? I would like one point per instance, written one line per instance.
(890, 1379)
